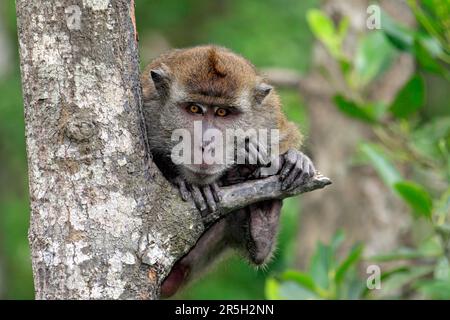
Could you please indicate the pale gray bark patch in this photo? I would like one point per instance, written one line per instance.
(105, 224)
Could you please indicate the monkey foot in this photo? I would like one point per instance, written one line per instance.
(206, 197)
(175, 280)
(296, 169)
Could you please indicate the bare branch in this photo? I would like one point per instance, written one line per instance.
(280, 77)
(241, 195)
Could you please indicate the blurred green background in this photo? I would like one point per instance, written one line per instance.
(281, 33)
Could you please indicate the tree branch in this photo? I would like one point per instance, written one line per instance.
(241, 195)
(233, 198)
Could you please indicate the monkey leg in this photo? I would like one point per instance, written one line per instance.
(263, 221)
(251, 230)
(211, 245)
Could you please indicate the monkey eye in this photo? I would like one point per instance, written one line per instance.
(221, 112)
(193, 108)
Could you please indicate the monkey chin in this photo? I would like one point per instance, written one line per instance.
(202, 175)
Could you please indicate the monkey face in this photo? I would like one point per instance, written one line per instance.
(195, 102)
(206, 151)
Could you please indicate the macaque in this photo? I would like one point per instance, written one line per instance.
(220, 91)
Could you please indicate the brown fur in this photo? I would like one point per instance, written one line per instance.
(216, 75)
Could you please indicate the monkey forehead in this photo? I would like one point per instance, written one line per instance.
(213, 71)
(208, 100)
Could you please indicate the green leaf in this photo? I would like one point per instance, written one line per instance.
(290, 287)
(400, 279)
(410, 98)
(292, 291)
(272, 289)
(337, 240)
(386, 275)
(352, 258)
(374, 55)
(425, 58)
(400, 254)
(323, 28)
(356, 290)
(351, 109)
(442, 270)
(320, 266)
(400, 36)
(300, 278)
(343, 28)
(416, 196)
(431, 44)
(426, 138)
(443, 206)
(444, 230)
(379, 160)
(435, 289)
(428, 248)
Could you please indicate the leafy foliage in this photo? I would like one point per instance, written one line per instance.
(410, 98)
(327, 278)
(408, 147)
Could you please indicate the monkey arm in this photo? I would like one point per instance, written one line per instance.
(243, 194)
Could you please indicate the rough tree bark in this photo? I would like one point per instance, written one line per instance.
(104, 223)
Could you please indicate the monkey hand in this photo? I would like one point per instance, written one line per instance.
(296, 169)
(206, 197)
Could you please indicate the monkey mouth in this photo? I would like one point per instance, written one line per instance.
(202, 175)
(204, 169)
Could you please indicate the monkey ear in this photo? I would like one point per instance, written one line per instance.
(261, 91)
(161, 79)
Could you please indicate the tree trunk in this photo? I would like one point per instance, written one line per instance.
(98, 205)
(104, 223)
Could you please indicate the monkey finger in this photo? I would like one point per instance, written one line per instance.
(256, 174)
(198, 198)
(308, 167)
(252, 154)
(272, 169)
(261, 153)
(290, 159)
(312, 171)
(295, 172)
(306, 174)
(209, 198)
(185, 194)
(216, 192)
(297, 182)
